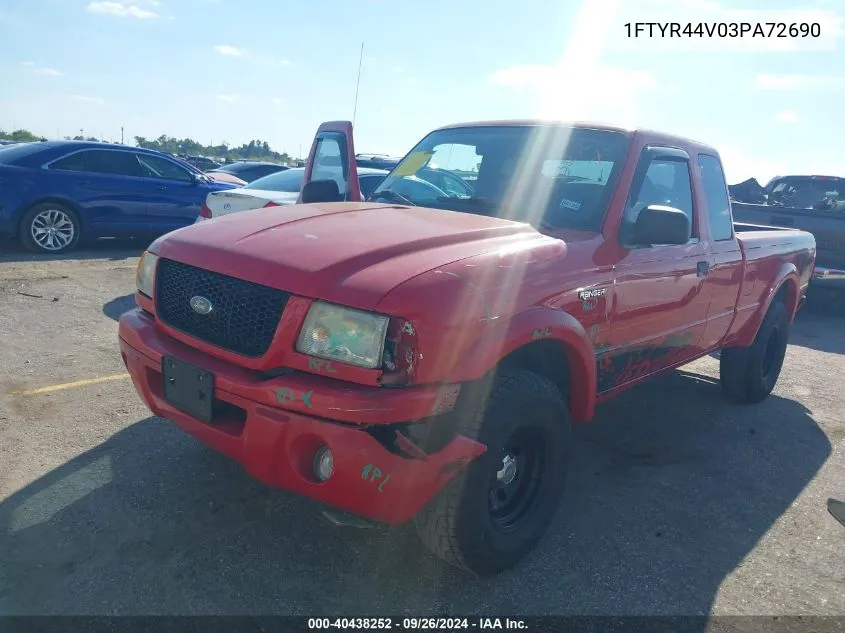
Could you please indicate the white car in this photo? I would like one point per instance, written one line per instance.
(281, 188)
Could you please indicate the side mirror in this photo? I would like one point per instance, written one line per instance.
(320, 191)
(657, 224)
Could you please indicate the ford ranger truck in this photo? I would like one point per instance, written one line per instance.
(422, 355)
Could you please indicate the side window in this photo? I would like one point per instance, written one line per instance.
(72, 162)
(113, 163)
(328, 161)
(667, 182)
(158, 167)
(716, 194)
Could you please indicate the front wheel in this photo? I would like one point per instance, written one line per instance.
(489, 517)
(50, 227)
(748, 374)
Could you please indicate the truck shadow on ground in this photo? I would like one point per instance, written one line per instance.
(671, 487)
(117, 306)
(109, 249)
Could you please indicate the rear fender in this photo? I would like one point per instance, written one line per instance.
(537, 324)
(787, 278)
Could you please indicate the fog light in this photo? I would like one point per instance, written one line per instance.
(323, 463)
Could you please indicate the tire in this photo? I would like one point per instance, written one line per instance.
(467, 524)
(748, 374)
(47, 216)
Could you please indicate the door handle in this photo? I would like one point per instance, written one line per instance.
(702, 268)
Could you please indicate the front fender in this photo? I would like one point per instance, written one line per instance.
(527, 327)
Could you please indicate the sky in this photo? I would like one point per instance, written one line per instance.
(235, 70)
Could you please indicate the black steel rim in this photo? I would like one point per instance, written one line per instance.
(516, 480)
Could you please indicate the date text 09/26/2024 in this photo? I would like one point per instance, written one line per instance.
(416, 624)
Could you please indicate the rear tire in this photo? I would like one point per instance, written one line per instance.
(490, 516)
(50, 228)
(748, 374)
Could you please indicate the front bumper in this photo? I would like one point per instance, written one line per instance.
(277, 445)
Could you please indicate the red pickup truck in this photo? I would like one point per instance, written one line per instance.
(422, 355)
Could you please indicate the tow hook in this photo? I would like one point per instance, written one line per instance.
(344, 519)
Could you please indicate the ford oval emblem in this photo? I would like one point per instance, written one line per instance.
(200, 305)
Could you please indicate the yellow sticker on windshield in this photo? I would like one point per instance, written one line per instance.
(412, 163)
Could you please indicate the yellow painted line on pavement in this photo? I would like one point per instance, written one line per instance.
(70, 385)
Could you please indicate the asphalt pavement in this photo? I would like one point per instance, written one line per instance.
(679, 502)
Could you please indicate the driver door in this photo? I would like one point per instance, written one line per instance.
(332, 159)
(661, 303)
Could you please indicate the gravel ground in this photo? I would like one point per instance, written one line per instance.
(679, 502)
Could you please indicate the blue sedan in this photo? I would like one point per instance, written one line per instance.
(52, 193)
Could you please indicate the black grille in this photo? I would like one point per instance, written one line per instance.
(244, 315)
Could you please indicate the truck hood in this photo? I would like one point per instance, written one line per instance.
(348, 253)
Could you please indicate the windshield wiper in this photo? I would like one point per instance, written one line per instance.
(387, 194)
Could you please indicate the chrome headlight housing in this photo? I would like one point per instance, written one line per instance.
(346, 335)
(146, 272)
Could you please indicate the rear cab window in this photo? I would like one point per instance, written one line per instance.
(716, 196)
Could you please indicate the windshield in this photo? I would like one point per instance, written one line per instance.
(289, 181)
(549, 176)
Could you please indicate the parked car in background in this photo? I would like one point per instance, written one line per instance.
(376, 161)
(223, 176)
(52, 193)
(200, 162)
(250, 170)
(813, 203)
(274, 190)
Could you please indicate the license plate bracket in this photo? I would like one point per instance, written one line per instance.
(188, 387)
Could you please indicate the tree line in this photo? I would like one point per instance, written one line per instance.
(254, 150)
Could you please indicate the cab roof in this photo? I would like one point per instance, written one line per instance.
(540, 123)
(672, 140)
